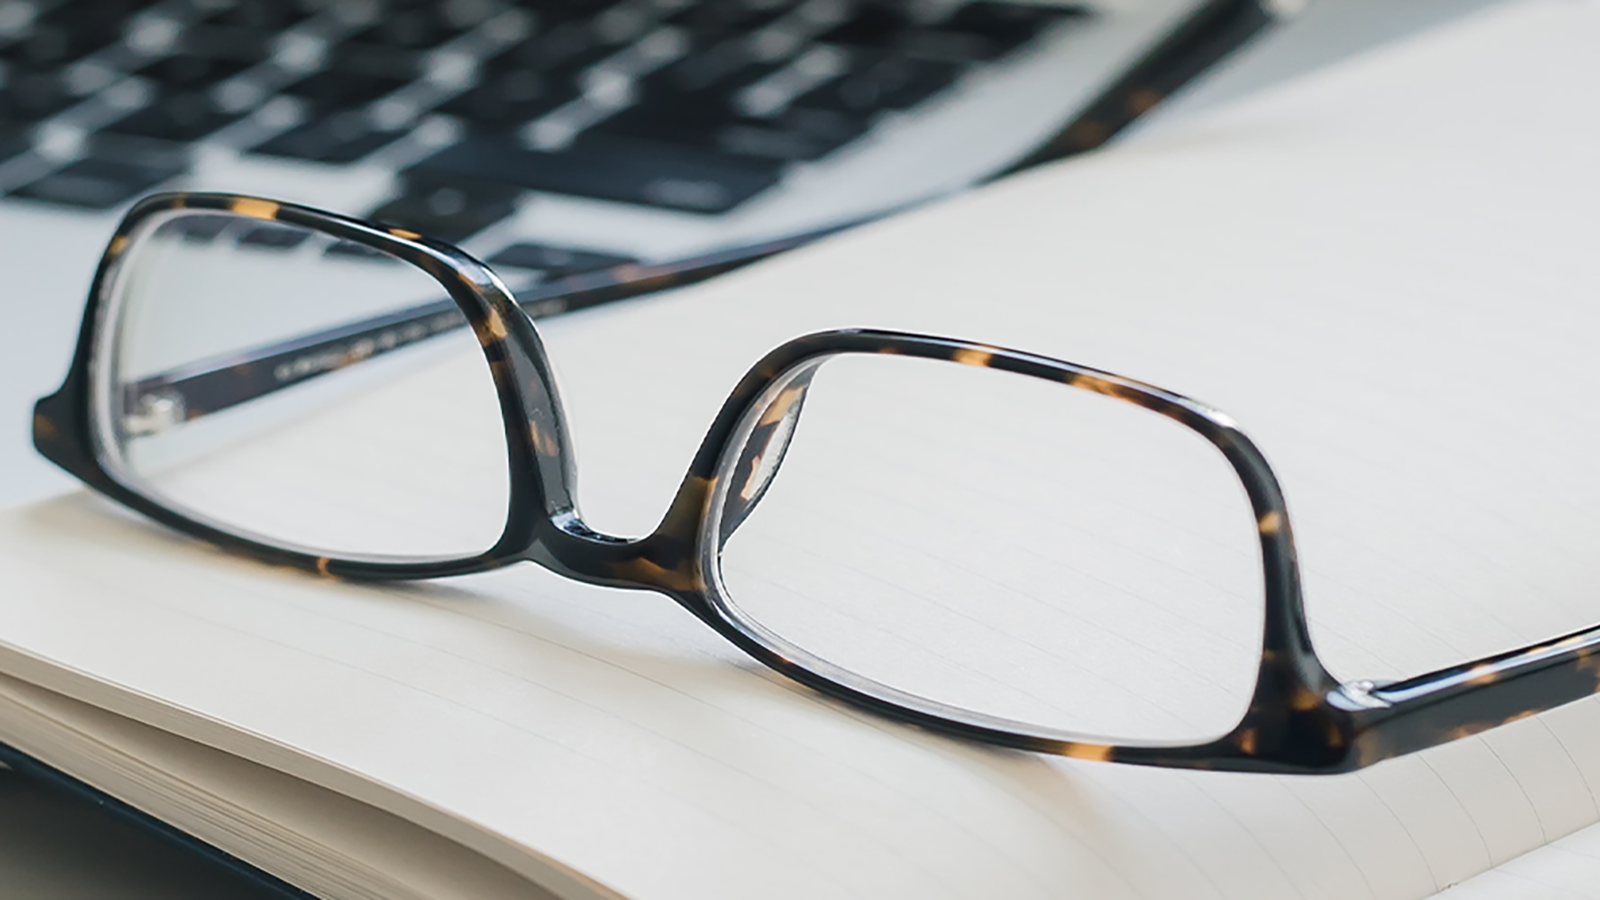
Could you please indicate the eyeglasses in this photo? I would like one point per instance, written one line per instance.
(986, 542)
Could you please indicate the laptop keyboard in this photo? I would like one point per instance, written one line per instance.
(689, 106)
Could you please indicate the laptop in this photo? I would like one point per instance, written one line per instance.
(549, 137)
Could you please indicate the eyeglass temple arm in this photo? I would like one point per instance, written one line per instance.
(1210, 35)
(1460, 701)
(183, 394)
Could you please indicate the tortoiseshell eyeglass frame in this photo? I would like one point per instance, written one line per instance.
(1300, 719)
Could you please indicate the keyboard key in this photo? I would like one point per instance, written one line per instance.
(353, 250)
(113, 174)
(374, 61)
(715, 19)
(329, 92)
(356, 75)
(31, 96)
(506, 100)
(274, 237)
(704, 83)
(184, 116)
(690, 101)
(569, 46)
(1005, 26)
(797, 134)
(529, 80)
(201, 64)
(555, 262)
(422, 26)
(553, 11)
(448, 213)
(260, 15)
(689, 125)
(876, 25)
(881, 82)
(613, 169)
(13, 141)
(976, 32)
(70, 32)
(341, 139)
(198, 228)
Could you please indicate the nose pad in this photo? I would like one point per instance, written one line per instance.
(761, 455)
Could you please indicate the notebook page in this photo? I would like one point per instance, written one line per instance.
(250, 810)
(1327, 264)
(1561, 870)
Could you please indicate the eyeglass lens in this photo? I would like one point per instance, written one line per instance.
(892, 521)
(400, 456)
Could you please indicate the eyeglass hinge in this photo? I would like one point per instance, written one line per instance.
(1359, 694)
(154, 412)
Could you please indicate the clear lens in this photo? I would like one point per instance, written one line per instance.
(998, 545)
(228, 397)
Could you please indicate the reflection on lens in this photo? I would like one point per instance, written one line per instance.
(996, 544)
(233, 397)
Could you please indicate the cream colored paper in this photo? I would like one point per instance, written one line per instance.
(332, 845)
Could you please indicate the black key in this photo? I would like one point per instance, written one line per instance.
(374, 61)
(107, 179)
(353, 250)
(719, 69)
(555, 262)
(355, 76)
(883, 82)
(208, 56)
(691, 101)
(978, 31)
(341, 139)
(418, 27)
(712, 19)
(569, 47)
(184, 109)
(796, 134)
(1005, 26)
(330, 91)
(447, 212)
(192, 71)
(42, 47)
(503, 101)
(197, 228)
(13, 141)
(693, 126)
(31, 96)
(876, 25)
(274, 237)
(268, 16)
(185, 116)
(529, 80)
(609, 168)
(70, 32)
(553, 11)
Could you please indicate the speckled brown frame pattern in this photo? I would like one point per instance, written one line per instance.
(1300, 718)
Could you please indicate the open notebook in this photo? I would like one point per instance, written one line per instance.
(1384, 272)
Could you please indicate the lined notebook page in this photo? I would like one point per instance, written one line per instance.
(1384, 273)
(1566, 869)
(327, 843)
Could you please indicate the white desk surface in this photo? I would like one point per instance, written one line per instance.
(51, 847)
